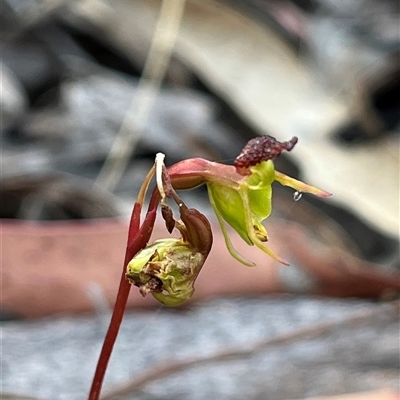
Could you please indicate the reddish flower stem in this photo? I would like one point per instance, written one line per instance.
(137, 240)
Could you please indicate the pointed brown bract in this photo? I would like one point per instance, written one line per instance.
(168, 216)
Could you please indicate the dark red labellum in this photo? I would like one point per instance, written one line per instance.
(260, 149)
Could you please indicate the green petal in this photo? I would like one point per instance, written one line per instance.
(228, 242)
(259, 185)
(260, 203)
(254, 235)
(228, 203)
(262, 175)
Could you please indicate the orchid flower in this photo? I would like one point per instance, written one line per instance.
(241, 195)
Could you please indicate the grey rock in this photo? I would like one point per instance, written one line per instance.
(349, 39)
(55, 197)
(13, 99)
(19, 15)
(180, 123)
(56, 357)
(26, 159)
(35, 65)
(80, 131)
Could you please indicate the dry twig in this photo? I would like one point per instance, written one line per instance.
(148, 87)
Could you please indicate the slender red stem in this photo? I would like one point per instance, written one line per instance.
(111, 336)
(137, 239)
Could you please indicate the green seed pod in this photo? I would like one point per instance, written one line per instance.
(167, 269)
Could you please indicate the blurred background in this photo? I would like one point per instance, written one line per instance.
(91, 90)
